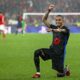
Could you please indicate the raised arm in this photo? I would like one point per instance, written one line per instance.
(45, 17)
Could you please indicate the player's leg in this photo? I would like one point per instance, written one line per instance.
(3, 34)
(2, 29)
(60, 68)
(0, 32)
(16, 31)
(66, 69)
(58, 63)
(43, 53)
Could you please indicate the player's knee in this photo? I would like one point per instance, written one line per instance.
(37, 53)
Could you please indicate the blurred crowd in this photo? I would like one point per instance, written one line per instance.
(19, 6)
(14, 8)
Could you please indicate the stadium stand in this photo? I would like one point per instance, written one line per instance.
(18, 6)
(12, 8)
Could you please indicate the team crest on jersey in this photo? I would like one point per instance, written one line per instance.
(56, 41)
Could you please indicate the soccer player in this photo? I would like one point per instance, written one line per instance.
(23, 26)
(19, 25)
(56, 52)
(2, 25)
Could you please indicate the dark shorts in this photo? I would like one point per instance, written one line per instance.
(46, 54)
(57, 59)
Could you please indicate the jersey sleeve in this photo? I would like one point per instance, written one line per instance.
(67, 30)
(52, 26)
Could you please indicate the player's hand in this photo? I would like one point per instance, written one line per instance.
(49, 30)
(51, 6)
(57, 30)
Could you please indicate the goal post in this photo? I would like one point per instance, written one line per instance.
(34, 20)
(66, 13)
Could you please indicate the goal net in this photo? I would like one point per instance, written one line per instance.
(35, 24)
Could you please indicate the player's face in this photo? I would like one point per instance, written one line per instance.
(59, 21)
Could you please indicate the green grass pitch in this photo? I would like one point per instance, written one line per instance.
(16, 57)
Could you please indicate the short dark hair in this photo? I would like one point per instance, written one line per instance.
(60, 16)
